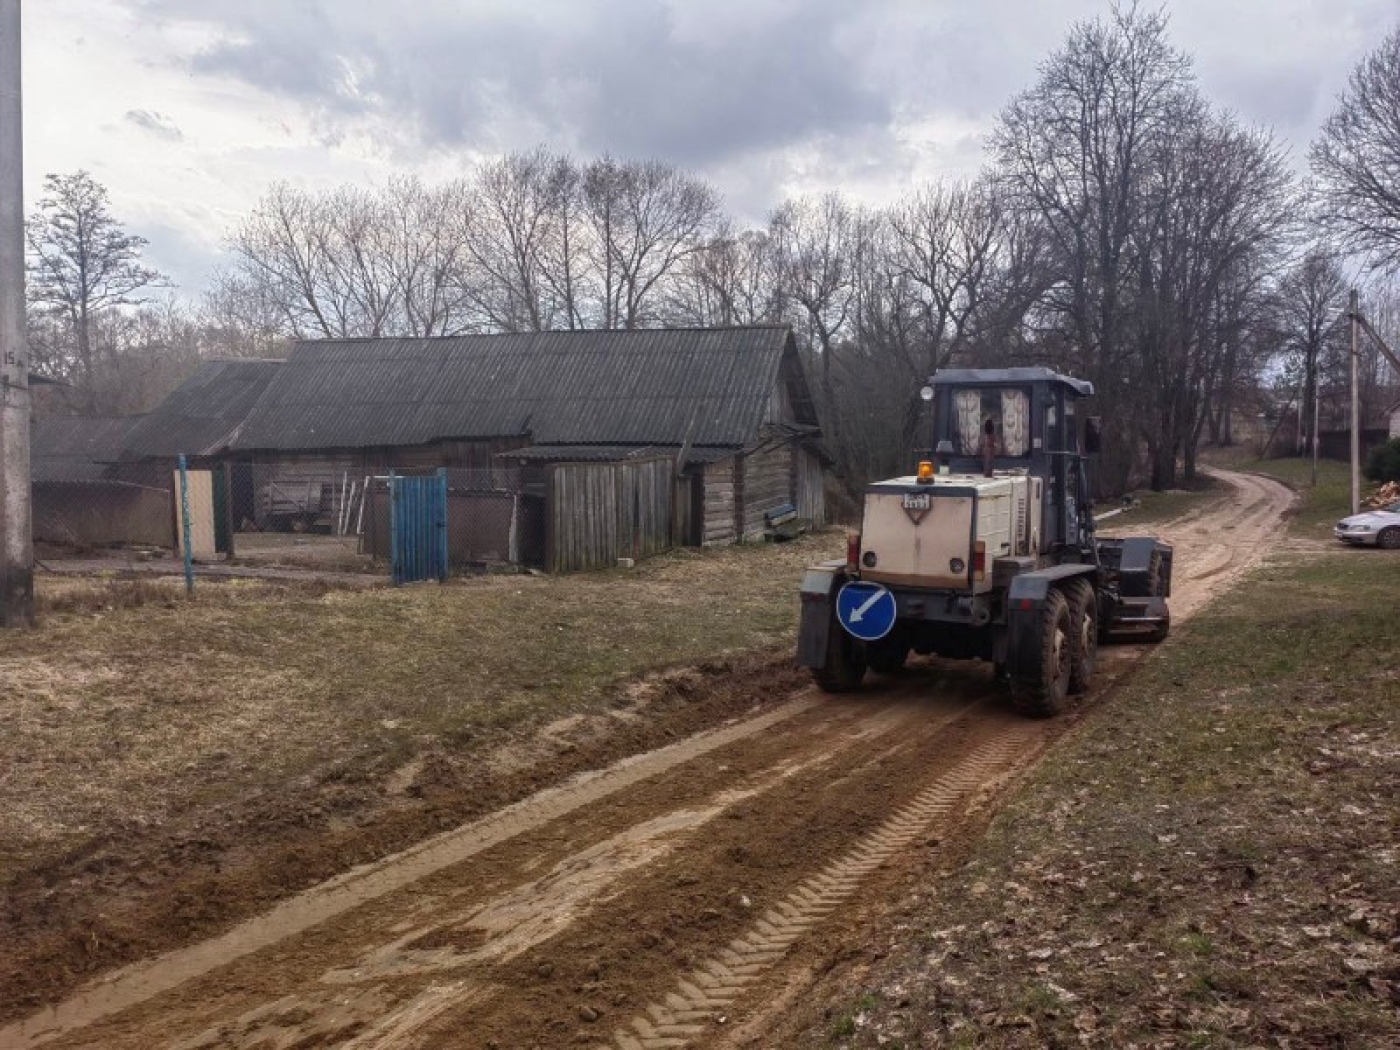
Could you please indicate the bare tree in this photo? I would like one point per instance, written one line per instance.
(279, 263)
(944, 240)
(427, 244)
(82, 265)
(520, 244)
(1356, 158)
(731, 279)
(643, 219)
(820, 247)
(1311, 299)
(1218, 199)
(350, 262)
(1073, 152)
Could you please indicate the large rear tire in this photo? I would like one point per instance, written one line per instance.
(845, 662)
(1044, 696)
(1160, 632)
(1084, 622)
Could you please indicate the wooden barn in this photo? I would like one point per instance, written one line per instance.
(580, 447)
(199, 419)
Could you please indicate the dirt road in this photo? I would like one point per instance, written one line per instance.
(679, 897)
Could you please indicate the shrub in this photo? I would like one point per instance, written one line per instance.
(1383, 462)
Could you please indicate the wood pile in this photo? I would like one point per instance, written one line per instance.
(1385, 495)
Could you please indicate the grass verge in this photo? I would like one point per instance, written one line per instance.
(1150, 509)
(169, 765)
(1212, 861)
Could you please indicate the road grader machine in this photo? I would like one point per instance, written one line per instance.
(988, 551)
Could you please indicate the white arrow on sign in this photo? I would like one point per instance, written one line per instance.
(859, 614)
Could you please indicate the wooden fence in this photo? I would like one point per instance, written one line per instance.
(593, 514)
(103, 514)
(600, 512)
(483, 528)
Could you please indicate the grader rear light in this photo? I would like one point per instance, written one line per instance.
(852, 550)
(979, 560)
(925, 476)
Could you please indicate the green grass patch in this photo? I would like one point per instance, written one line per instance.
(1149, 509)
(1324, 501)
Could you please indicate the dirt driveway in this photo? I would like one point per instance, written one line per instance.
(685, 895)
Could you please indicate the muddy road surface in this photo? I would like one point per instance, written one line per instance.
(685, 896)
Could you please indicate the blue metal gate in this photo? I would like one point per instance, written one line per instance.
(418, 526)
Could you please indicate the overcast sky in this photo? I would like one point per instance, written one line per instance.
(187, 109)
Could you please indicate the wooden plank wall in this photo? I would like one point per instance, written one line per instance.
(767, 483)
(600, 512)
(810, 485)
(719, 503)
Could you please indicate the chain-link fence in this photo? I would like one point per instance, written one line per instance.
(291, 515)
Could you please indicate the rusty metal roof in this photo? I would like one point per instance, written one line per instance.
(705, 387)
(204, 413)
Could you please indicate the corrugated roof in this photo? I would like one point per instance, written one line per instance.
(75, 449)
(708, 386)
(612, 453)
(204, 412)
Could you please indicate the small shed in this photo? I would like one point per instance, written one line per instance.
(79, 498)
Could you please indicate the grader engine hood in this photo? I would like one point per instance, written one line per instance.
(943, 535)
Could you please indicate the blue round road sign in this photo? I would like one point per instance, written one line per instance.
(866, 610)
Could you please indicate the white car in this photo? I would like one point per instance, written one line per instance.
(1379, 527)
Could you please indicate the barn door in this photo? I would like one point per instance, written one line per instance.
(418, 527)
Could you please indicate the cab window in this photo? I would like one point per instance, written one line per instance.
(1008, 408)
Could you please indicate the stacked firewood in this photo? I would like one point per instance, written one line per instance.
(1385, 495)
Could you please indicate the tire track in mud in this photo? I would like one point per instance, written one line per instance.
(713, 987)
(144, 980)
(804, 727)
(444, 942)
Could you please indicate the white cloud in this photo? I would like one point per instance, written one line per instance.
(188, 109)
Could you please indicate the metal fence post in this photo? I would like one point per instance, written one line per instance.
(442, 544)
(187, 543)
(230, 521)
(393, 530)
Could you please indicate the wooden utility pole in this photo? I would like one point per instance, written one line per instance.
(1359, 322)
(16, 537)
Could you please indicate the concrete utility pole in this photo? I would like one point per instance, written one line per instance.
(1355, 408)
(16, 538)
